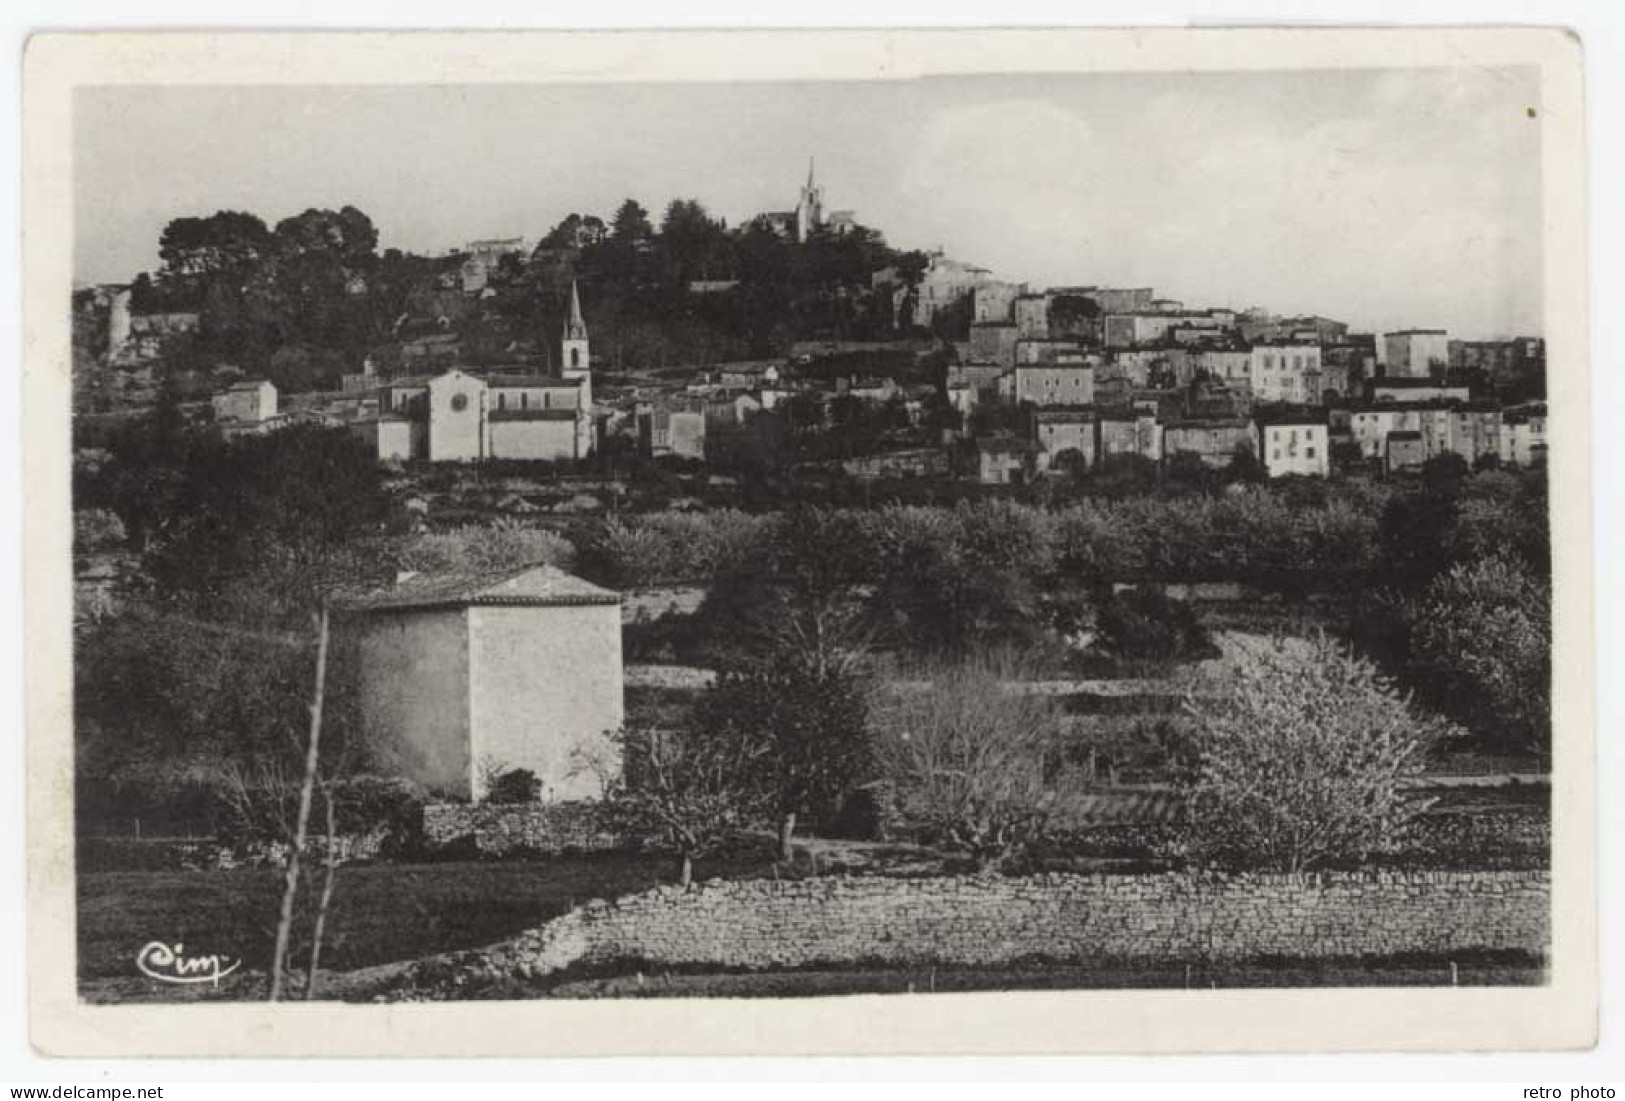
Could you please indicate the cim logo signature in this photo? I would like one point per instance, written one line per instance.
(169, 963)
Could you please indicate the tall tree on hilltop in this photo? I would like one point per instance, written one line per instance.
(195, 250)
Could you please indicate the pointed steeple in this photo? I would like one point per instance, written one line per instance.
(575, 328)
(810, 184)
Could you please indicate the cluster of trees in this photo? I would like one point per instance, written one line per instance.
(1305, 757)
(1462, 615)
(209, 662)
(636, 279)
(302, 301)
(1257, 535)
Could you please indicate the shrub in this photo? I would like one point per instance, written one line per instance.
(1145, 623)
(505, 544)
(1303, 756)
(1481, 639)
(514, 785)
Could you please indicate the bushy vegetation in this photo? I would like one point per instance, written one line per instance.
(1145, 623)
(505, 544)
(1302, 755)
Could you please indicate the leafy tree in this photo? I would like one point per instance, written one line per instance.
(811, 723)
(1146, 623)
(345, 236)
(1481, 641)
(1303, 757)
(196, 250)
(970, 761)
(630, 225)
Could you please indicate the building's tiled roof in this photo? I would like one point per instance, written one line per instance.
(526, 586)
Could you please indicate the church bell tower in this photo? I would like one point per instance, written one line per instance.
(810, 210)
(574, 359)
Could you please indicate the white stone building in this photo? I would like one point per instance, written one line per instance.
(464, 674)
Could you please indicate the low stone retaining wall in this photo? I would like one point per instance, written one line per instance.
(498, 828)
(990, 921)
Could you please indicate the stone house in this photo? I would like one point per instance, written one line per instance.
(1005, 460)
(1294, 444)
(1130, 433)
(1286, 371)
(1523, 435)
(1405, 451)
(671, 428)
(462, 672)
(246, 404)
(1049, 384)
(1059, 431)
(1413, 353)
(1215, 442)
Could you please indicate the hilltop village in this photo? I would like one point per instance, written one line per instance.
(923, 367)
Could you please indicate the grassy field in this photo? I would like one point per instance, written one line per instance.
(380, 914)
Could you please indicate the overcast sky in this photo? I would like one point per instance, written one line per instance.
(1389, 199)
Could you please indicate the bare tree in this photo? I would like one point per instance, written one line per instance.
(685, 790)
(968, 755)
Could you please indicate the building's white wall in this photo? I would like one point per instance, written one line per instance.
(1282, 372)
(1058, 436)
(415, 695)
(401, 440)
(456, 434)
(1411, 355)
(1295, 449)
(547, 687)
(549, 439)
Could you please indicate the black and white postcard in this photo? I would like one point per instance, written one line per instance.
(808, 542)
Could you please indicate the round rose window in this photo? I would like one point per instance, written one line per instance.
(459, 402)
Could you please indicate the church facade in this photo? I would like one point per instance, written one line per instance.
(461, 416)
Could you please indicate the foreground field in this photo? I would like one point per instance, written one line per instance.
(381, 913)
(1049, 976)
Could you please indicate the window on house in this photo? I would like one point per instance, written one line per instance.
(1309, 452)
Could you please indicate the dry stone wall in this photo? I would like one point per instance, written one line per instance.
(498, 828)
(989, 921)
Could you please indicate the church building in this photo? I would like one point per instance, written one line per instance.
(809, 215)
(462, 416)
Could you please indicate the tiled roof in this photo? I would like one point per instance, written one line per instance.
(527, 586)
